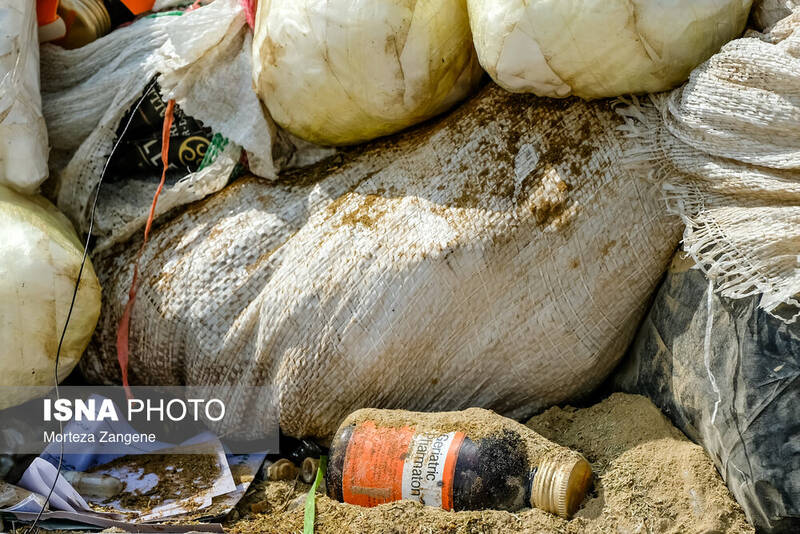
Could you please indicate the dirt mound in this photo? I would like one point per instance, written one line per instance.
(650, 478)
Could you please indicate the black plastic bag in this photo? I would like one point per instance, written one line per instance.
(732, 385)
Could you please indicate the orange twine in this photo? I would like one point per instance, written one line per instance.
(124, 324)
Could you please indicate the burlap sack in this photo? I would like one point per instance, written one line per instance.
(500, 257)
(728, 146)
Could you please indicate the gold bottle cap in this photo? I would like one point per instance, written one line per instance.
(561, 483)
(81, 29)
(87, 21)
(308, 471)
(283, 469)
(101, 15)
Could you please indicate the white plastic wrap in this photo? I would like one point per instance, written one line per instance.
(600, 48)
(39, 264)
(23, 135)
(343, 72)
(202, 60)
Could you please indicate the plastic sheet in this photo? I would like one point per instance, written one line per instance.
(728, 375)
(23, 135)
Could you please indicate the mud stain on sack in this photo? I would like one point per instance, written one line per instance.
(367, 214)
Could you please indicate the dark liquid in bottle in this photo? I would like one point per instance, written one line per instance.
(371, 464)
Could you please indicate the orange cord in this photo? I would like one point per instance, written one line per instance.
(124, 324)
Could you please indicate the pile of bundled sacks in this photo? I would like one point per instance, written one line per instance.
(411, 234)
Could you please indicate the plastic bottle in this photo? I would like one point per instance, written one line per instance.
(469, 460)
(94, 484)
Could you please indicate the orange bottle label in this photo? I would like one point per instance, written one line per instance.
(46, 11)
(137, 7)
(389, 464)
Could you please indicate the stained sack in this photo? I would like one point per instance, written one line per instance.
(728, 375)
(727, 146)
(500, 257)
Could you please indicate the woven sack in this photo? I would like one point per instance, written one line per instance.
(500, 257)
(727, 145)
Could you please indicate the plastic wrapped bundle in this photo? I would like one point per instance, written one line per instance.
(40, 256)
(343, 71)
(201, 59)
(600, 48)
(23, 134)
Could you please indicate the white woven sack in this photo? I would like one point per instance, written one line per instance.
(23, 136)
(728, 145)
(201, 59)
(500, 257)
